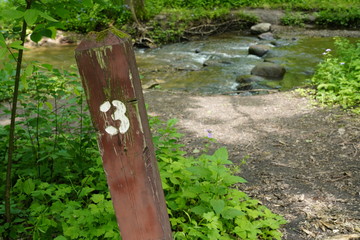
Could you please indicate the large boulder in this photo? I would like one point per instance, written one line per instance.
(216, 61)
(249, 82)
(269, 70)
(273, 53)
(260, 28)
(274, 60)
(268, 36)
(242, 79)
(259, 49)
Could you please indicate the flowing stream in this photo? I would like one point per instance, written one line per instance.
(211, 65)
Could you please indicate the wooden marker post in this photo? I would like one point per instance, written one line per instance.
(109, 74)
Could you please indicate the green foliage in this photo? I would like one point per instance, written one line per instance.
(41, 23)
(96, 16)
(179, 21)
(202, 197)
(285, 4)
(337, 17)
(207, 4)
(60, 189)
(68, 15)
(293, 19)
(337, 78)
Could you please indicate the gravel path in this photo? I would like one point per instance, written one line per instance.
(303, 161)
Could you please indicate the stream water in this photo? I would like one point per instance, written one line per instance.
(211, 65)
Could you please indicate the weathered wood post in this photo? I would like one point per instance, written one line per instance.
(109, 74)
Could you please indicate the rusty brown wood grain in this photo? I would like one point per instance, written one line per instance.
(108, 70)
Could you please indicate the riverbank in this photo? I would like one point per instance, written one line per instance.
(165, 29)
(301, 161)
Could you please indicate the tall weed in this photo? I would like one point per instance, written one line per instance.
(337, 78)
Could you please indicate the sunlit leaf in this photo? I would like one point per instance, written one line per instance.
(96, 198)
(29, 69)
(88, 3)
(60, 238)
(218, 205)
(16, 45)
(200, 171)
(49, 67)
(31, 16)
(53, 31)
(231, 213)
(47, 17)
(28, 186)
(49, 105)
(12, 14)
(222, 154)
(24, 82)
(3, 52)
(36, 36)
(62, 12)
(2, 41)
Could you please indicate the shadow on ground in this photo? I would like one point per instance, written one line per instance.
(303, 161)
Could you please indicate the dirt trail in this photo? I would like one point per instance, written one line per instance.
(303, 161)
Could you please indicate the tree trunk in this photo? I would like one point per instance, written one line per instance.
(12, 124)
(137, 8)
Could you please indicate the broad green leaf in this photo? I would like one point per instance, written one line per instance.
(47, 17)
(76, 92)
(222, 154)
(231, 179)
(3, 52)
(62, 12)
(28, 186)
(85, 191)
(31, 16)
(29, 69)
(60, 238)
(39, 33)
(53, 31)
(199, 210)
(218, 205)
(50, 106)
(72, 232)
(2, 41)
(16, 45)
(88, 3)
(111, 234)
(49, 67)
(12, 14)
(36, 36)
(172, 122)
(24, 82)
(231, 213)
(200, 171)
(96, 198)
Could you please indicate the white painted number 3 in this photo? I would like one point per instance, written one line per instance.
(119, 114)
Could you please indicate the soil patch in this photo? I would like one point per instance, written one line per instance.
(302, 161)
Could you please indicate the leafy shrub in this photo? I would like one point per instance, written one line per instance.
(337, 78)
(96, 16)
(60, 190)
(293, 19)
(179, 21)
(349, 17)
(202, 197)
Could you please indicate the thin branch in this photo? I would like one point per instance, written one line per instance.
(12, 123)
(252, 90)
